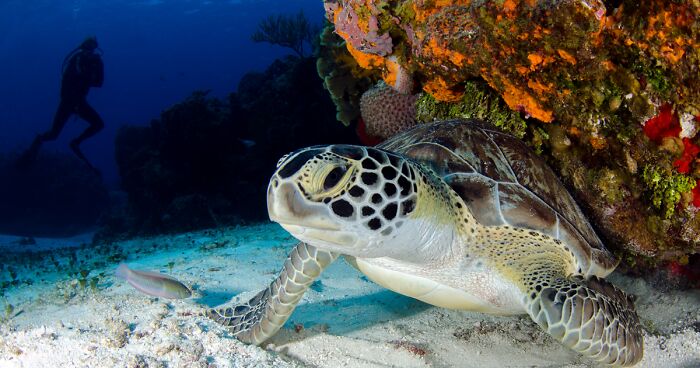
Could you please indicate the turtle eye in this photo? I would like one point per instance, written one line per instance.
(334, 177)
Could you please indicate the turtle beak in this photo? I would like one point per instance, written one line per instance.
(287, 206)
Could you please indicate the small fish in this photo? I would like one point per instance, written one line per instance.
(247, 143)
(154, 283)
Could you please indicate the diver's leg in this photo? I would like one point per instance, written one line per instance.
(87, 113)
(63, 112)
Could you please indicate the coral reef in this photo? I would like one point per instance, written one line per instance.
(162, 165)
(342, 76)
(192, 168)
(478, 102)
(607, 91)
(548, 59)
(56, 197)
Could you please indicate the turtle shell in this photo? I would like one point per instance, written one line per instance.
(503, 182)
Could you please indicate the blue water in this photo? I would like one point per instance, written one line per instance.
(155, 54)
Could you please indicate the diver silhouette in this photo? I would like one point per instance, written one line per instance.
(82, 69)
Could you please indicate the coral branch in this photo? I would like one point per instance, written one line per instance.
(286, 31)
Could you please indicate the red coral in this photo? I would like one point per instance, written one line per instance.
(690, 151)
(688, 271)
(696, 194)
(365, 138)
(665, 124)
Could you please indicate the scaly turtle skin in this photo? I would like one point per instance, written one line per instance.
(456, 214)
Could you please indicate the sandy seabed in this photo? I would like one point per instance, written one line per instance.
(344, 320)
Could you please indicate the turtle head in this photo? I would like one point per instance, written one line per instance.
(347, 199)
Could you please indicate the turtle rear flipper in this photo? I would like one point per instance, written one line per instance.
(262, 316)
(592, 317)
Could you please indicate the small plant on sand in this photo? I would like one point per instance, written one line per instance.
(82, 280)
(72, 260)
(9, 308)
(55, 263)
(13, 277)
(213, 245)
(93, 283)
(116, 257)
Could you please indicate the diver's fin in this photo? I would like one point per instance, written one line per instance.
(75, 147)
(28, 158)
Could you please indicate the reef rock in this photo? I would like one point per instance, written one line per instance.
(607, 91)
(206, 162)
(58, 196)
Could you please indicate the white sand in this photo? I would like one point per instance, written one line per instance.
(346, 321)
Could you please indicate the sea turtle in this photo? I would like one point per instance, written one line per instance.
(456, 214)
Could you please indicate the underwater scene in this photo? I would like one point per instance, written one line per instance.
(349, 183)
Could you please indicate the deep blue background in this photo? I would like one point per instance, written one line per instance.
(156, 52)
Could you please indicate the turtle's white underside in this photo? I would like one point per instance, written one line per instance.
(454, 288)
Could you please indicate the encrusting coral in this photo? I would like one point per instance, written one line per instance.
(546, 59)
(478, 102)
(344, 79)
(617, 81)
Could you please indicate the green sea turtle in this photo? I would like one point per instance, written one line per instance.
(456, 214)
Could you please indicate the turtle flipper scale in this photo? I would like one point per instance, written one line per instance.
(591, 316)
(262, 316)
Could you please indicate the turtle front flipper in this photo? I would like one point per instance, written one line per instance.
(592, 317)
(261, 317)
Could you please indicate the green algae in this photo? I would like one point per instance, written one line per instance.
(479, 102)
(654, 76)
(405, 11)
(666, 188)
(611, 184)
(658, 80)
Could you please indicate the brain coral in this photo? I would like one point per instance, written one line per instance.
(386, 111)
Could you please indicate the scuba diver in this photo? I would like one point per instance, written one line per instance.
(82, 69)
